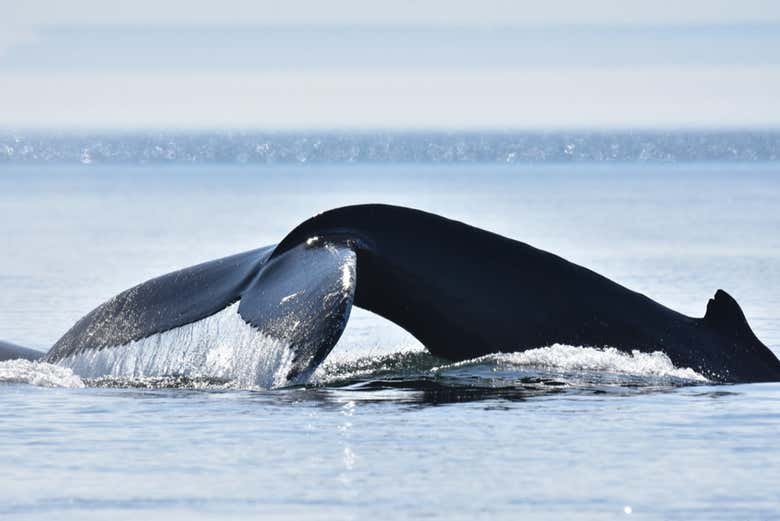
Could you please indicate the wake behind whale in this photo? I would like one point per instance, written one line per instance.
(270, 317)
(553, 369)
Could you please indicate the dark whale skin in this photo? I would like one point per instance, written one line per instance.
(9, 351)
(465, 292)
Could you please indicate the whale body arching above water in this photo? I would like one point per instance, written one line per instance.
(461, 291)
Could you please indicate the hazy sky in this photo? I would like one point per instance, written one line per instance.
(402, 64)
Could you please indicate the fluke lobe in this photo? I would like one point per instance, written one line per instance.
(462, 291)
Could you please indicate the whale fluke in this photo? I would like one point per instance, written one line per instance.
(162, 303)
(303, 297)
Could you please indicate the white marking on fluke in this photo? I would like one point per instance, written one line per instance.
(290, 297)
(346, 276)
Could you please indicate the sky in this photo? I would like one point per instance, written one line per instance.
(308, 64)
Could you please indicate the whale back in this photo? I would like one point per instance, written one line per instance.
(465, 292)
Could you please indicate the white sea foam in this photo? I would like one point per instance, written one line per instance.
(38, 373)
(346, 364)
(605, 360)
(221, 346)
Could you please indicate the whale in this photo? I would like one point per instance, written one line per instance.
(462, 291)
(9, 351)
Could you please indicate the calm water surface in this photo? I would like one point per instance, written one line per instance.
(388, 432)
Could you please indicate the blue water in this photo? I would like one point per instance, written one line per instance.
(386, 431)
(430, 147)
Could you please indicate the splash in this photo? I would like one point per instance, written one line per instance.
(573, 363)
(38, 373)
(569, 358)
(222, 352)
(163, 382)
(221, 347)
(343, 366)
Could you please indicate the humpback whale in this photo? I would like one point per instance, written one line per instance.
(9, 351)
(463, 292)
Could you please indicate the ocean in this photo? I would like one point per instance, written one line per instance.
(384, 430)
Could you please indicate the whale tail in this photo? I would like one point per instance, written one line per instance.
(726, 318)
(300, 299)
(9, 351)
(461, 291)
